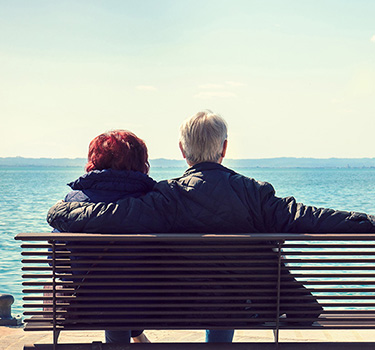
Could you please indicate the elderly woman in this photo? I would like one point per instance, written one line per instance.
(117, 167)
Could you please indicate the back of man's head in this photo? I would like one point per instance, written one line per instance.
(202, 137)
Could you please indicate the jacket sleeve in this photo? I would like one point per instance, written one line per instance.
(285, 215)
(152, 212)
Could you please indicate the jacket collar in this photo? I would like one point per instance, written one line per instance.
(204, 166)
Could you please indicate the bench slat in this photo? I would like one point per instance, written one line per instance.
(194, 281)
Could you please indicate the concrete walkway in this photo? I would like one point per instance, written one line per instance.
(14, 338)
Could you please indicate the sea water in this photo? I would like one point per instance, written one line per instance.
(26, 194)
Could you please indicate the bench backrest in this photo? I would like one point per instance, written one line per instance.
(198, 281)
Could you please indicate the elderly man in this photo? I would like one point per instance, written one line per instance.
(207, 198)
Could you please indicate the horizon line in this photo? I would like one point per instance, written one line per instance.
(181, 159)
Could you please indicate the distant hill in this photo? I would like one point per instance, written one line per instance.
(282, 162)
(20, 161)
(290, 162)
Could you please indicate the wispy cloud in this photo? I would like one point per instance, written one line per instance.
(234, 83)
(373, 38)
(211, 86)
(221, 86)
(211, 94)
(146, 88)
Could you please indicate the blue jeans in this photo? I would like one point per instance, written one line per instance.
(219, 336)
(212, 336)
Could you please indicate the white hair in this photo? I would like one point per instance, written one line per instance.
(202, 137)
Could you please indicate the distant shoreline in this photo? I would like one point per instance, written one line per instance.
(280, 162)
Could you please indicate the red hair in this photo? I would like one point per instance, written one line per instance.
(118, 149)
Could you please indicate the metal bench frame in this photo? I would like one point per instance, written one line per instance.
(338, 268)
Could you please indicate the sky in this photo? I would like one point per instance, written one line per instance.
(293, 78)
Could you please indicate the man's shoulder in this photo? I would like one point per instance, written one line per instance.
(252, 185)
(247, 180)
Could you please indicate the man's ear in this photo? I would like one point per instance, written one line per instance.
(182, 150)
(225, 145)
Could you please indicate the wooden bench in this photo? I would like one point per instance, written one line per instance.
(198, 281)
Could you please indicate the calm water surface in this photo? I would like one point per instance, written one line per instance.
(26, 194)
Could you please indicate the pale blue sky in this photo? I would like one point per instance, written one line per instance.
(291, 77)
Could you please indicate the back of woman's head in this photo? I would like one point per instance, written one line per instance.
(118, 149)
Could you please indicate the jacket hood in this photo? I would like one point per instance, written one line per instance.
(114, 180)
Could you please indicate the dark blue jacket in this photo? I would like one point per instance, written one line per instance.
(108, 186)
